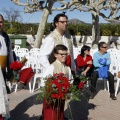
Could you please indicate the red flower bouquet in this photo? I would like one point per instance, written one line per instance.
(56, 87)
(16, 66)
(59, 87)
(56, 90)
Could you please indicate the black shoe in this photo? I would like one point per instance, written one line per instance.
(65, 118)
(112, 96)
(91, 95)
(41, 117)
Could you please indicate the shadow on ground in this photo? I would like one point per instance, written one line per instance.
(18, 113)
(78, 110)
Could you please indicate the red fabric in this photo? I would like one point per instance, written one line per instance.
(50, 112)
(1, 118)
(68, 61)
(80, 62)
(25, 75)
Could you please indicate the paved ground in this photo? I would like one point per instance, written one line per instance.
(24, 106)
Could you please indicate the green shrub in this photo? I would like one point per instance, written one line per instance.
(12, 31)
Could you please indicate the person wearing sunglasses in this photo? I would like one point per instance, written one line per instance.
(84, 61)
(101, 62)
(60, 53)
(58, 66)
(58, 36)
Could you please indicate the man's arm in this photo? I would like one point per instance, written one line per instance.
(95, 60)
(108, 59)
(72, 62)
(45, 50)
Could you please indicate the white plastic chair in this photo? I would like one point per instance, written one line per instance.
(30, 87)
(106, 84)
(35, 50)
(39, 70)
(16, 47)
(118, 79)
(23, 49)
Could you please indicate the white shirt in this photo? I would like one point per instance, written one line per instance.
(50, 70)
(46, 49)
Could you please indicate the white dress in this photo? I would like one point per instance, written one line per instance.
(4, 108)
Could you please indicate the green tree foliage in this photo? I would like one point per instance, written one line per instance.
(12, 31)
(76, 29)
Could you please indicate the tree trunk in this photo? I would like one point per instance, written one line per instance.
(95, 29)
(42, 24)
(41, 28)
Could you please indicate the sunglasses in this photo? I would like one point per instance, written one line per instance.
(63, 22)
(63, 54)
(104, 47)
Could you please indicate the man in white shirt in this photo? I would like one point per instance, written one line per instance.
(58, 36)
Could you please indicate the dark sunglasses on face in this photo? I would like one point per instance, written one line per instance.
(104, 47)
(62, 54)
(63, 22)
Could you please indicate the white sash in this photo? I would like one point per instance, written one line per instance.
(3, 47)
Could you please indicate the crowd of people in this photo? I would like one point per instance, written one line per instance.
(56, 56)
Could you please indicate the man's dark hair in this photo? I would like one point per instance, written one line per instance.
(2, 17)
(101, 45)
(56, 19)
(59, 47)
(84, 48)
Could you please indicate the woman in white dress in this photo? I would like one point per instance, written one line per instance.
(4, 111)
(4, 108)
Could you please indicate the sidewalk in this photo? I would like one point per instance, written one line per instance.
(24, 106)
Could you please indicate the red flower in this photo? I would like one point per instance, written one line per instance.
(16, 65)
(81, 85)
(57, 86)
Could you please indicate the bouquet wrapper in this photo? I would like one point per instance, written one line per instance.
(53, 111)
(23, 61)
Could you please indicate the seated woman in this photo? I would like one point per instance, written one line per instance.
(84, 62)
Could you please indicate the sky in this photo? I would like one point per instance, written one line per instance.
(36, 16)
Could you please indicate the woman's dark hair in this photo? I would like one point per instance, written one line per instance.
(84, 48)
(101, 45)
(56, 19)
(55, 51)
